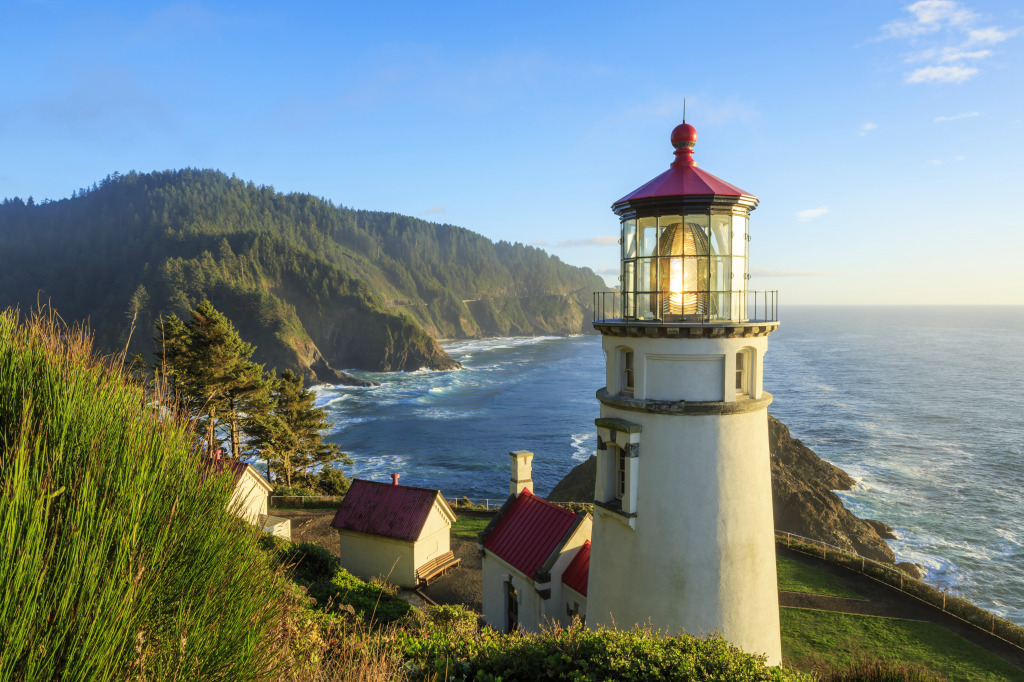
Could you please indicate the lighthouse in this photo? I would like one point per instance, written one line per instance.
(683, 536)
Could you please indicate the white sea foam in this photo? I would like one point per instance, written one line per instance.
(583, 445)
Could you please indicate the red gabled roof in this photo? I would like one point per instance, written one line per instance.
(528, 532)
(392, 511)
(218, 466)
(578, 571)
(684, 181)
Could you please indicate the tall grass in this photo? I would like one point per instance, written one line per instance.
(117, 560)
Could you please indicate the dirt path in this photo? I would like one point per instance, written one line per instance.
(463, 586)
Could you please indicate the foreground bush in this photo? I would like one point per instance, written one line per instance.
(117, 560)
(373, 604)
(577, 654)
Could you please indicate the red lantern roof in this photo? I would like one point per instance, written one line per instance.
(683, 178)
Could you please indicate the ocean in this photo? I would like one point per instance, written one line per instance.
(921, 405)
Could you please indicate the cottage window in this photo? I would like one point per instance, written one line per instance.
(511, 607)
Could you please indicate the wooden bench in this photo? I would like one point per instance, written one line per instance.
(436, 567)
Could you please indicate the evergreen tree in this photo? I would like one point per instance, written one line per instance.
(291, 435)
(207, 367)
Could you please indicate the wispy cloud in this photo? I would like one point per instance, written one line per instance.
(946, 38)
(765, 272)
(941, 74)
(867, 128)
(811, 213)
(957, 117)
(433, 210)
(930, 16)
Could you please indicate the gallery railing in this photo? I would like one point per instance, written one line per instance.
(703, 307)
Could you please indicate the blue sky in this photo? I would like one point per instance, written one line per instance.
(885, 140)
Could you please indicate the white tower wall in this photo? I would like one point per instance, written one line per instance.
(690, 544)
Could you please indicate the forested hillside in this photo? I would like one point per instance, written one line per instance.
(311, 284)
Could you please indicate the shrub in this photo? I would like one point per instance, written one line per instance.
(332, 481)
(578, 654)
(372, 604)
(454, 619)
(309, 562)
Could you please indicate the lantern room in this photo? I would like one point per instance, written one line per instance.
(684, 244)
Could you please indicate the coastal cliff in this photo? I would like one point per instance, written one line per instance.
(802, 485)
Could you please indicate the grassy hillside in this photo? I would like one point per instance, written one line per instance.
(311, 284)
(118, 560)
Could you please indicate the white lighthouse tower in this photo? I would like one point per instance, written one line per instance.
(683, 535)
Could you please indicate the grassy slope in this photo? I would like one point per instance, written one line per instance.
(797, 577)
(119, 559)
(810, 638)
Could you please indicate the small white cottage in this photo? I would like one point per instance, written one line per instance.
(249, 499)
(527, 550)
(397, 532)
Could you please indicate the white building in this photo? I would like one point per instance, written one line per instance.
(397, 532)
(527, 550)
(682, 534)
(249, 498)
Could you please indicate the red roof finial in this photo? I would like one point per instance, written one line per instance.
(684, 136)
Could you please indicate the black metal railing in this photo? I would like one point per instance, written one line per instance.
(705, 307)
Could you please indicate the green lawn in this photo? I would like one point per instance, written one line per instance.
(797, 577)
(467, 527)
(812, 637)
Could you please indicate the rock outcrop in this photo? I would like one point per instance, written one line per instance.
(802, 485)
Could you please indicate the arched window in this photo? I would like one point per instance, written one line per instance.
(628, 374)
(743, 372)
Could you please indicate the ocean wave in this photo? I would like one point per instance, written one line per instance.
(583, 445)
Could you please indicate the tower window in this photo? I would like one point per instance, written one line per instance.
(742, 372)
(620, 474)
(627, 373)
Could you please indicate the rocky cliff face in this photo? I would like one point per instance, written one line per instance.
(802, 485)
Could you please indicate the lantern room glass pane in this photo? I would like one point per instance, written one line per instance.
(629, 238)
(720, 234)
(698, 220)
(647, 229)
(721, 282)
(628, 287)
(739, 235)
(646, 287)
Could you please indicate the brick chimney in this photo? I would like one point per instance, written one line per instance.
(522, 471)
(394, 478)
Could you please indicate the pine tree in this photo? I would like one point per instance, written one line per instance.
(291, 436)
(206, 365)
